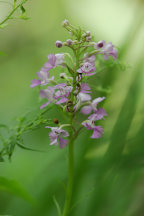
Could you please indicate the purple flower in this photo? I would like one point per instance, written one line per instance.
(47, 93)
(62, 92)
(90, 123)
(59, 44)
(90, 59)
(57, 94)
(35, 82)
(85, 88)
(56, 136)
(99, 114)
(81, 98)
(87, 69)
(107, 49)
(92, 106)
(44, 79)
(97, 130)
(53, 61)
(69, 42)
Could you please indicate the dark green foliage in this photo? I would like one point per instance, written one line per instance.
(14, 136)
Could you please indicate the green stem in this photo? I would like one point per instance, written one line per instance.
(12, 12)
(71, 146)
(70, 177)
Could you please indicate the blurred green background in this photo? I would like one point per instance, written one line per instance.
(109, 173)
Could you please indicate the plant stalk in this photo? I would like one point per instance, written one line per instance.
(70, 177)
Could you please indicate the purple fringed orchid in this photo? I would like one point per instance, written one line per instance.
(81, 98)
(56, 136)
(54, 60)
(99, 114)
(35, 83)
(107, 49)
(57, 94)
(92, 107)
(62, 92)
(85, 88)
(90, 123)
(74, 93)
(97, 130)
(87, 69)
(44, 79)
(91, 59)
(47, 93)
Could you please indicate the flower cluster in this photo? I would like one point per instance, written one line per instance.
(73, 94)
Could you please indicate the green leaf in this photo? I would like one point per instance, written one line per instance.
(13, 187)
(22, 9)
(27, 148)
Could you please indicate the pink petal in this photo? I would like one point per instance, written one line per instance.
(86, 110)
(44, 105)
(62, 100)
(97, 132)
(35, 82)
(62, 142)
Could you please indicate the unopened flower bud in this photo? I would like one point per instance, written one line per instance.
(65, 23)
(59, 44)
(100, 44)
(69, 42)
(88, 38)
(56, 121)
